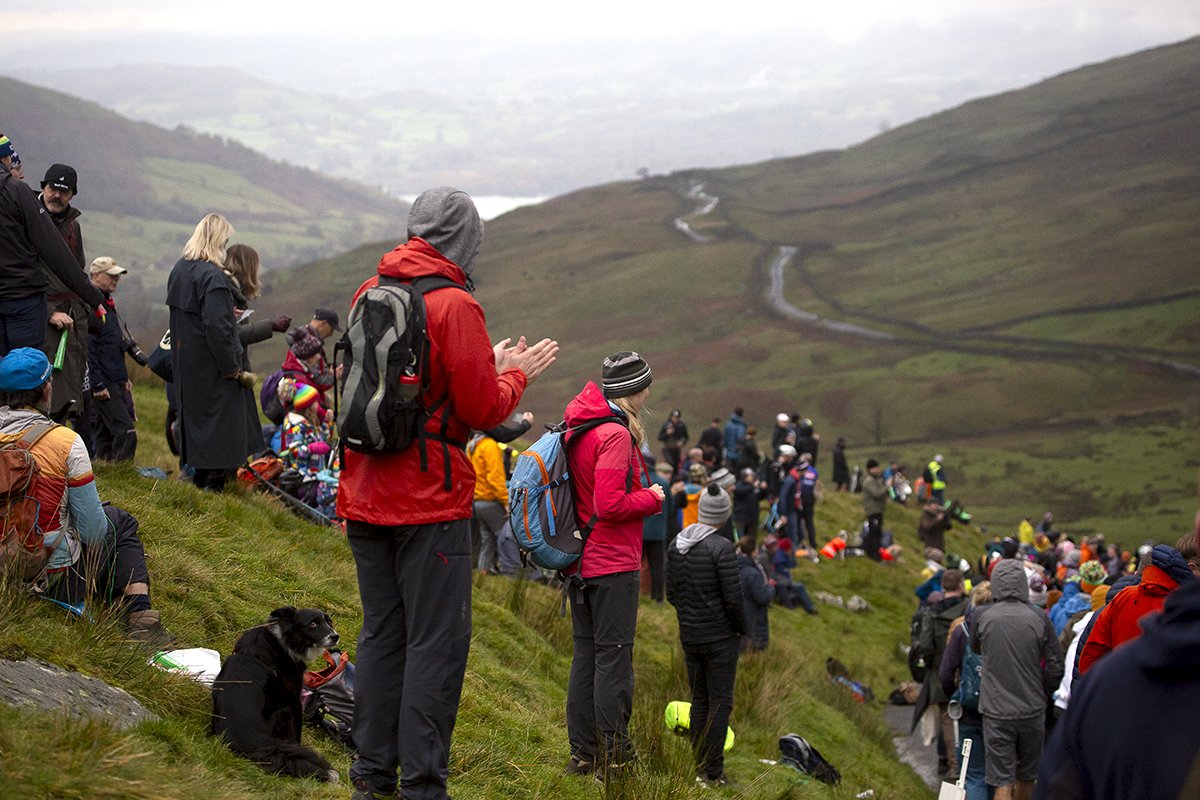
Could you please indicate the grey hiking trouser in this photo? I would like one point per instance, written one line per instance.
(415, 585)
(600, 689)
(491, 518)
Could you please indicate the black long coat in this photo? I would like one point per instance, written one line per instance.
(220, 428)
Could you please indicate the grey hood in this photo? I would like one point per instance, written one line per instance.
(447, 219)
(690, 536)
(1009, 582)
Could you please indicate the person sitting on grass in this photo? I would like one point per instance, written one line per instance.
(91, 549)
(790, 591)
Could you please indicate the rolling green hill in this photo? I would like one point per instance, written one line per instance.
(1024, 272)
(143, 188)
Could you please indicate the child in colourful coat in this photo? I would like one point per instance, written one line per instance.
(302, 444)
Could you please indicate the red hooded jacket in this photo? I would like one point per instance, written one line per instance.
(601, 460)
(391, 489)
(1119, 621)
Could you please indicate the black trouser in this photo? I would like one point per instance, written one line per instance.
(600, 689)
(116, 437)
(810, 527)
(106, 568)
(23, 323)
(415, 586)
(874, 536)
(711, 669)
(656, 558)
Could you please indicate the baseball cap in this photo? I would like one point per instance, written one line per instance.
(106, 265)
(327, 315)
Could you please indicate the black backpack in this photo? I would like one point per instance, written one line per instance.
(387, 369)
(798, 754)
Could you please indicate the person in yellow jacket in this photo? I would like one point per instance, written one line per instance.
(491, 497)
(935, 476)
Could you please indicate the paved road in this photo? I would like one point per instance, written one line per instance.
(911, 750)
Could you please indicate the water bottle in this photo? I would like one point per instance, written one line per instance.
(410, 382)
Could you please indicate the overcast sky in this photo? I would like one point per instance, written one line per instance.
(841, 20)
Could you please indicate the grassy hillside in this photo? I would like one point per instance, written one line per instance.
(1032, 257)
(219, 564)
(143, 188)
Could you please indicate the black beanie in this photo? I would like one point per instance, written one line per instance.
(624, 374)
(872, 463)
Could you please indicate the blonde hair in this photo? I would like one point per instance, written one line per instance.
(241, 261)
(981, 595)
(209, 240)
(635, 425)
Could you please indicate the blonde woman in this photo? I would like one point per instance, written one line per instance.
(218, 429)
(605, 465)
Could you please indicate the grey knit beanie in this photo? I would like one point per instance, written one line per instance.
(715, 506)
(624, 374)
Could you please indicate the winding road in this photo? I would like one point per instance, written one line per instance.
(978, 339)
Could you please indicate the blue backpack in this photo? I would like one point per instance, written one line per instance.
(541, 502)
(967, 693)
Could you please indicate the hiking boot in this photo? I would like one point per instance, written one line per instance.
(363, 793)
(577, 766)
(145, 627)
(719, 781)
(615, 771)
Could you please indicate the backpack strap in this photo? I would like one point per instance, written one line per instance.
(34, 433)
(423, 285)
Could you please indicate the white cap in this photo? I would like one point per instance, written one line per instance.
(782, 417)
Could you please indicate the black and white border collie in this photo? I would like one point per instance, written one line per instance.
(256, 696)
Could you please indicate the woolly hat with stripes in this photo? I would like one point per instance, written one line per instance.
(624, 374)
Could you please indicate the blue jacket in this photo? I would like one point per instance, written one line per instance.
(784, 562)
(808, 482)
(787, 494)
(654, 527)
(1073, 601)
(106, 360)
(735, 436)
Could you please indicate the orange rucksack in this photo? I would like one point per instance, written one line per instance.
(23, 553)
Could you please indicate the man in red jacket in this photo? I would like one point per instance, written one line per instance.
(410, 535)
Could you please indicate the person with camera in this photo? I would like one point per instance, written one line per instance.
(112, 402)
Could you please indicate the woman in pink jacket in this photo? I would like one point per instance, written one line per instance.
(605, 464)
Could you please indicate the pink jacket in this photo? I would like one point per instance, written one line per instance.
(602, 462)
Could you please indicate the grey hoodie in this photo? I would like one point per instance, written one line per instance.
(1014, 638)
(447, 219)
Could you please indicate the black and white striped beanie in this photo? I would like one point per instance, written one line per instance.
(624, 374)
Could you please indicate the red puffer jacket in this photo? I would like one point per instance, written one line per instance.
(391, 489)
(1119, 621)
(601, 462)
